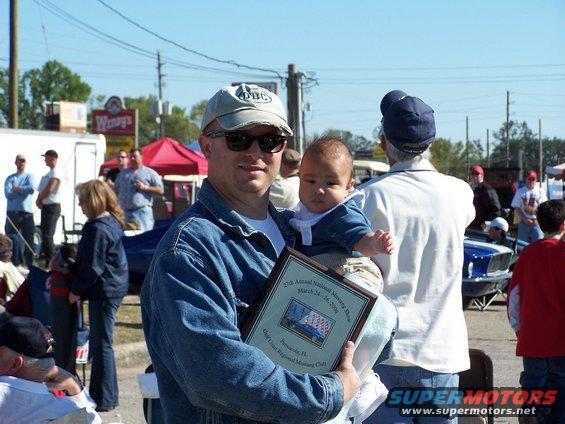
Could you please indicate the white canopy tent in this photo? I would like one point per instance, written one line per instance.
(555, 181)
(555, 170)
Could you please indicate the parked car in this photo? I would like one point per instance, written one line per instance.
(486, 267)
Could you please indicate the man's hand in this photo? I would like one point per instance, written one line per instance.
(17, 189)
(60, 379)
(347, 374)
(73, 298)
(38, 203)
(140, 185)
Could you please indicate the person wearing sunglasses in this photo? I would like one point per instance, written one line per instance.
(212, 264)
(19, 188)
(525, 204)
(111, 174)
(485, 199)
(135, 186)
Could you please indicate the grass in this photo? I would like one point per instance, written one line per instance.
(128, 321)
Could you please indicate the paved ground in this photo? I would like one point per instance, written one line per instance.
(488, 330)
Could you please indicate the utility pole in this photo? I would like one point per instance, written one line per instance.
(13, 83)
(160, 83)
(294, 100)
(488, 149)
(540, 154)
(507, 128)
(467, 141)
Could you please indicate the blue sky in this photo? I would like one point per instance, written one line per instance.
(459, 57)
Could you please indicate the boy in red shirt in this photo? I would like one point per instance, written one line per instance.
(536, 309)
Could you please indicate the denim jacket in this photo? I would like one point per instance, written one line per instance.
(101, 265)
(206, 269)
(338, 231)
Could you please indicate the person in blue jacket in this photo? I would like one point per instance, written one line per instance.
(102, 279)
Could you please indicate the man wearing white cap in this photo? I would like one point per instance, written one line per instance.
(497, 229)
(212, 264)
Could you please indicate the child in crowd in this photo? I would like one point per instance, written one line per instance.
(10, 277)
(332, 230)
(536, 299)
(64, 316)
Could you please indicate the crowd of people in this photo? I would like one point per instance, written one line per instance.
(401, 233)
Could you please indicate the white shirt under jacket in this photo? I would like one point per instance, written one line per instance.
(427, 213)
(24, 402)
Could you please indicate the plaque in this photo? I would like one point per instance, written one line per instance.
(307, 314)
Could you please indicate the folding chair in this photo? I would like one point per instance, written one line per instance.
(479, 376)
(39, 293)
(82, 349)
(152, 408)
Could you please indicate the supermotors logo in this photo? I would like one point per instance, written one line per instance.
(122, 124)
(500, 401)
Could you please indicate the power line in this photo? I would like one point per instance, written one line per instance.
(174, 43)
(435, 68)
(67, 17)
(443, 78)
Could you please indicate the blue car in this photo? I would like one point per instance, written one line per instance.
(486, 267)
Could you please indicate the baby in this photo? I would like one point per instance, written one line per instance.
(328, 219)
(333, 229)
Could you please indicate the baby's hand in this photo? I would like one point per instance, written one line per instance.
(385, 241)
(374, 243)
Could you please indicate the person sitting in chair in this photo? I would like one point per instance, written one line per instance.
(29, 377)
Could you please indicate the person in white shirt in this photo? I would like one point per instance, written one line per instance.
(525, 203)
(49, 201)
(427, 212)
(284, 190)
(28, 377)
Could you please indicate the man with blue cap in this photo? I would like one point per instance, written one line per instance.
(427, 212)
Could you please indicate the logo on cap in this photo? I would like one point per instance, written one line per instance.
(255, 96)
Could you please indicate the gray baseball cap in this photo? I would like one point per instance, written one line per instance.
(244, 106)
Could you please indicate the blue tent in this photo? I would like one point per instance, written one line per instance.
(194, 146)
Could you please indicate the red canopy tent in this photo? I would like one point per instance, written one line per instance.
(168, 157)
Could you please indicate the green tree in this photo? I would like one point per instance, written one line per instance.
(524, 148)
(355, 142)
(54, 82)
(195, 119)
(176, 124)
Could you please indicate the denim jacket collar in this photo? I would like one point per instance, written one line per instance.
(233, 221)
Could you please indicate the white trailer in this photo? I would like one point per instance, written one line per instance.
(80, 157)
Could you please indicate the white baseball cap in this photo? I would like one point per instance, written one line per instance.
(499, 223)
(243, 106)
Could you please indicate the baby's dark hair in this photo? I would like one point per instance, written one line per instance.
(68, 253)
(551, 215)
(332, 147)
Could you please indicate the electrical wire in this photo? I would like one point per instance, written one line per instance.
(189, 50)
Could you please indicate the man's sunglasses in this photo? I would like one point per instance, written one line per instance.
(21, 160)
(239, 142)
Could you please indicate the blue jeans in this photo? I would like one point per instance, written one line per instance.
(546, 373)
(103, 377)
(529, 233)
(143, 216)
(410, 377)
(24, 223)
